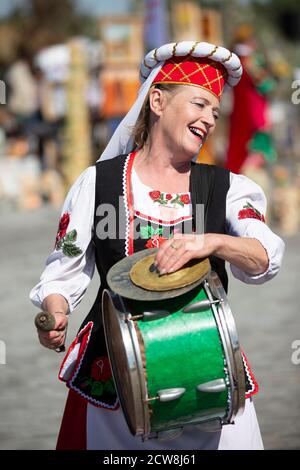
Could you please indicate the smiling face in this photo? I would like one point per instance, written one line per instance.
(183, 118)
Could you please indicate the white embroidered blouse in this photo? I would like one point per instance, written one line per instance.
(70, 276)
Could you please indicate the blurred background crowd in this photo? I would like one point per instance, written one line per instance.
(69, 72)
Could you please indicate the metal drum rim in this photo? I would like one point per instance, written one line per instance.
(143, 385)
(139, 407)
(228, 325)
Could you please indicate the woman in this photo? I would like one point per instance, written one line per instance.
(158, 187)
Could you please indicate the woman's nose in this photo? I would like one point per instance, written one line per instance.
(208, 119)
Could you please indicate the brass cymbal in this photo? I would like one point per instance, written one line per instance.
(188, 274)
(126, 276)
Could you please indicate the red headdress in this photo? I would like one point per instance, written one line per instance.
(194, 63)
(205, 73)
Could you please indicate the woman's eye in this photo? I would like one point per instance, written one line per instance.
(201, 105)
(216, 116)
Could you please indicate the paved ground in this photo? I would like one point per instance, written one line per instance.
(32, 398)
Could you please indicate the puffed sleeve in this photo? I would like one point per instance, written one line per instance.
(70, 267)
(246, 206)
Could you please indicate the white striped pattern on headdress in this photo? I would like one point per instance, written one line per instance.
(228, 59)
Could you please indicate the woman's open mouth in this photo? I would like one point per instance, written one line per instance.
(200, 135)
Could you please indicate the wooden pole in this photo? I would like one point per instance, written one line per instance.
(77, 142)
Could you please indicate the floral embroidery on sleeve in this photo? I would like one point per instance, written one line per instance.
(249, 212)
(65, 240)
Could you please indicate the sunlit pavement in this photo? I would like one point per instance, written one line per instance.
(32, 398)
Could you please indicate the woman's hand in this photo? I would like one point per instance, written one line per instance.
(56, 305)
(247, 254)
(180, 249)
(55, 338)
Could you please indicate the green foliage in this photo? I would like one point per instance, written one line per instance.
(97, 388)
(71, 236)
(149, 231)
(71, 250)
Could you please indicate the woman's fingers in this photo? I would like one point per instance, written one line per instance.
(178, 263)
(169, 253)
(49, 335)
(61, 321)
(52, 339)
(177, 251)
(172, 256)
(164, 251)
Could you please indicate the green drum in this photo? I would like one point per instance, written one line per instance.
(175, 362)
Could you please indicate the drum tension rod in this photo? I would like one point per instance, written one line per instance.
(168, 394)
(214, 386)
(201, 305)
(151, 315)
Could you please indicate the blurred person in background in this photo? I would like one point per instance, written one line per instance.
(23, 99)
(149, 161)
(28, 90)
(250, 140)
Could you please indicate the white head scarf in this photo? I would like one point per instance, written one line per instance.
(121, 141)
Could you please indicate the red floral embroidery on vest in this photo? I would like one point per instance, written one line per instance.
(101, 369)
(155, 195)
(155, 242)
(100, 380)
(167, 198)
(185, 198)
(155, 238)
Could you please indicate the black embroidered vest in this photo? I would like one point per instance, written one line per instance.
(208, 185)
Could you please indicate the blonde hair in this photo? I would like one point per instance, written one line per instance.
(140, 131)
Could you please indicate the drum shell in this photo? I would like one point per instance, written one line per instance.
(181, 350)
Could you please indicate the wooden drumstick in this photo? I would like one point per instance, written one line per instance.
(45, 321)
